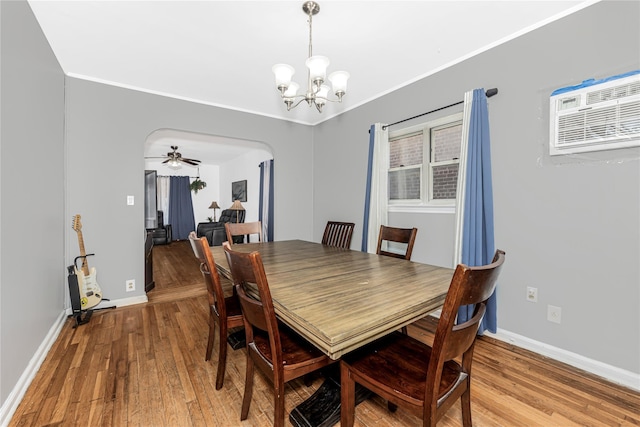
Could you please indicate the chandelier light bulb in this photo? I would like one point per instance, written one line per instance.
(323, 93)
(338, 80)
(283, 73)
(317, 68)
(291, 91)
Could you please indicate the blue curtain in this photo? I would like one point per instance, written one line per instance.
(181, 208)
(367, 196)
(265, 208)
(478, 245)
(376, 197)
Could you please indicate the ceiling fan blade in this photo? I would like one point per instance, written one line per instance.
(190, 161)
(167, 161)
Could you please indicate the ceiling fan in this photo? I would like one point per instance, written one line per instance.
(174, 158)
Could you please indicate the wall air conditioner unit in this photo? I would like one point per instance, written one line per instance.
(596, 115)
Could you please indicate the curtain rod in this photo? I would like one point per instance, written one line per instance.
(489, 93)
(169, 176)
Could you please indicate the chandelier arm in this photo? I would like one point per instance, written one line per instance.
(303, 98)
(327, 99)
(293, 97)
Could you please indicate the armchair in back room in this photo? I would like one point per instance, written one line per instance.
(161, 235)
(214, 231)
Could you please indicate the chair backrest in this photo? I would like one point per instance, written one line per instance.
(193, 240)
(242, 229)
(469, 286)
(209, 271)
(338, 234)
(228, 215)
(249, 277)
(397, 235)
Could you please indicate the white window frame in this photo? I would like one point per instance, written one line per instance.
(426, 203)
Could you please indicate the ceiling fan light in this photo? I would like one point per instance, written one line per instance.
(338, 80)
(283, 73)
(317, 68)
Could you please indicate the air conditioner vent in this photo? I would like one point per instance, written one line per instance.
(616, 92)
(598, 115)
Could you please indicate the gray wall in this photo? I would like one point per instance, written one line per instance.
(105, 134)
(32, 265)
(570, 226)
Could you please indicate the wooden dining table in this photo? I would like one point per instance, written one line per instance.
(340, 300)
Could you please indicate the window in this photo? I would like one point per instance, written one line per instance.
(423, 163)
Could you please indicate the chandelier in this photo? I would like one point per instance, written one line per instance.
(317, 92)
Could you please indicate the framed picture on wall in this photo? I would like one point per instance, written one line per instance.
(239, 191)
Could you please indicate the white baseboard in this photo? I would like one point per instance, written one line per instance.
(611, 373)
(15, 397)
(117, 303)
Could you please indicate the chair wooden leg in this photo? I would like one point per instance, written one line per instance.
(212, 337)
(222, 357)
(465, 402)
(278, 405)
(347, 397)
(248, 389)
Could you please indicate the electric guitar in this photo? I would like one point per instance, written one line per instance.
(90, 292)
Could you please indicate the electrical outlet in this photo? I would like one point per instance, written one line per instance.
(554, 314)
(130, 285)
(532, 294)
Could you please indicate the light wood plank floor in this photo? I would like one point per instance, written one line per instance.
(144, 365)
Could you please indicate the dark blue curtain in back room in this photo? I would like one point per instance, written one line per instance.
(181, 208)
(265, 208)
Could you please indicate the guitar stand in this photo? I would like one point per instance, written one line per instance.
(79, 315)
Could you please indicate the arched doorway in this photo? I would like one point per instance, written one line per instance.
(221, 162)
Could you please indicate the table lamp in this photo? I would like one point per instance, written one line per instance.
(237, 206)
(214, 206)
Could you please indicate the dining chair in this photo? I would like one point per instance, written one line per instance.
(224, 312)
(422, 379)
(271, 346)
(405, 236)
(243, 229)
(338, 234)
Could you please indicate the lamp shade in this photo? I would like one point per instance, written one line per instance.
(236, 206)
(283, 73)
(214, 205)
(317, 67)
(291, 91)
(321, 96)
(338, 80)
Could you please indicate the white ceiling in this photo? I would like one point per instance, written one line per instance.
(221, 52)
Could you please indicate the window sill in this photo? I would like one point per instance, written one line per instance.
(439, 209)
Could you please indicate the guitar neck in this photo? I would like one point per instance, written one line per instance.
(83, 254)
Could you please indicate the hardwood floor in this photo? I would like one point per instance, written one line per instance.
(144, 365)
